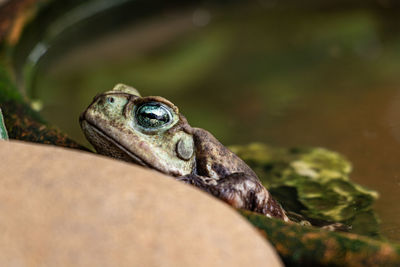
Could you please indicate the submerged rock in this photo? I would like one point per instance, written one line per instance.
(313, 182)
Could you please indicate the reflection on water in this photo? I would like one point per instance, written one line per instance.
(288, 77)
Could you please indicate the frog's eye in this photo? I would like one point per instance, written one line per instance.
(153, 115)
(110, 99)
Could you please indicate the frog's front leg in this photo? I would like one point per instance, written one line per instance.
(240, 191)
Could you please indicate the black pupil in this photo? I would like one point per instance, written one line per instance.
(152, 115)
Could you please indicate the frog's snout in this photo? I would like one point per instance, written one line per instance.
(96, 97)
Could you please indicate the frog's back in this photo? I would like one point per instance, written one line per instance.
(214, 159)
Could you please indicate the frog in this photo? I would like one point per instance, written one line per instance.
(151, 131)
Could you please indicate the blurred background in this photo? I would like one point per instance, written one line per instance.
(315, 73)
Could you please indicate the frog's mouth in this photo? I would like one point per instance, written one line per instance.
(107, 146)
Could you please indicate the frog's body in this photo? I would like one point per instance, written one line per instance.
(150, 131)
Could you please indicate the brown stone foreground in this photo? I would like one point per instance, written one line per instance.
(60, 207)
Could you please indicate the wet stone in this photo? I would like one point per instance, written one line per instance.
(66, 208)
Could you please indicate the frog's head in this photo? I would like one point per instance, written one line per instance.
(146, 130)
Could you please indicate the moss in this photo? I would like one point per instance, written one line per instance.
(318, 180)
(21, 121)
(309, 246)
(8, 90)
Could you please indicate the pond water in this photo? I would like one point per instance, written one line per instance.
(287, 76)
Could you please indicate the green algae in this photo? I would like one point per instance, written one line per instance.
(315, 183)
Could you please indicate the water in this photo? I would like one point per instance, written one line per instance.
(286, 76)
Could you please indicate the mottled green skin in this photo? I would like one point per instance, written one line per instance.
(309, 246)
(315, 183)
